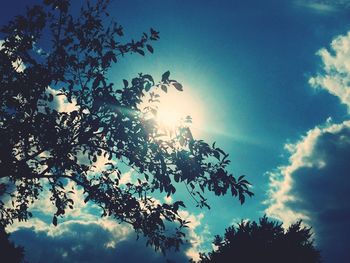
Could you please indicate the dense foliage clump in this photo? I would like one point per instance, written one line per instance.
(265, 241)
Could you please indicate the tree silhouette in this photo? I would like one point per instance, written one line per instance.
(266, 241)
(8, 251)
(60, 116)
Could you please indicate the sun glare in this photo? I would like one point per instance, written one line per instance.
(174, 109)
(168, 118)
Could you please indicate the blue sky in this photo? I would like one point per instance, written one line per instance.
(252, 67)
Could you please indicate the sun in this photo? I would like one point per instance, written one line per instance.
(176, 108)
(168, 117)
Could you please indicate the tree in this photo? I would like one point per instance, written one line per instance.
(50, 55)
(8, 251)
(266, 241)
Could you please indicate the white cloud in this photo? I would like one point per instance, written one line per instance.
(324, 6)
(318, 7)
(335, 75)
(199, 235)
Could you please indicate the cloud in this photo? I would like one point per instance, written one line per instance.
(83, 236)
(315, 186)
(102, 240)
(335, 74)
(81, 242)
(194, 239)
(324, 6)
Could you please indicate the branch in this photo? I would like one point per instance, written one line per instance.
(188, 190)
(29, 157)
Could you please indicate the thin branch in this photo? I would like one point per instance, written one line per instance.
(188, 190)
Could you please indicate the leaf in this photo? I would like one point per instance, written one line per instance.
(140, 51)
(54, 220)
(180, 203)
(165, 76)
(149, 77)
(244, 182)
(240, 178)
(234, 191)
(126, 83)
(96, 82)
(241, 198)
(150, 48)
(164, 88)
(114, 58)
(148, 86)
(249, 193)
(216, 155)
(178, 86)
(221, 151)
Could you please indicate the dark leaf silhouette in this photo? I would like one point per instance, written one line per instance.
(164, 88)
(126, 83)
(54, 220)
(150, 48)
(47, 143)
(178, 86)
(165, 76)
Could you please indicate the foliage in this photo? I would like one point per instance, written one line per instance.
(266, 241)
(50, 55)
(8, 251)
